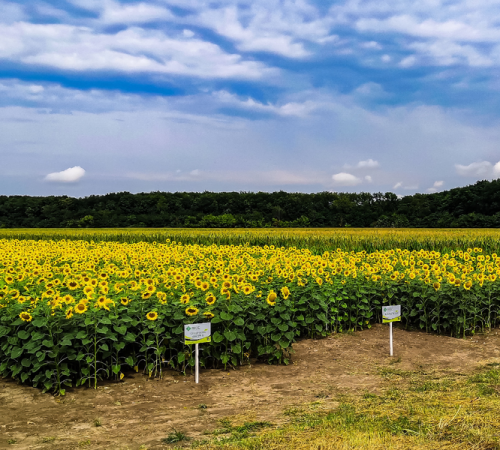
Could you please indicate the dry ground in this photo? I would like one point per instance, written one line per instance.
(139, 412)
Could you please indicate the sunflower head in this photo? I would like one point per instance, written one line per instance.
(26, 317)
(436, 286)
(124, 301)
(208, 314)
(185, 299)
(271, 298)
(152, 315)
(285, 292)
(191, 311)
(210, 299)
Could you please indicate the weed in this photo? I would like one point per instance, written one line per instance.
(175, 436)
(97, 422)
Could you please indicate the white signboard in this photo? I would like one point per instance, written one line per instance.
(391, 313)
(197, 333)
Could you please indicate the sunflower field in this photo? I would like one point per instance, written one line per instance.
(73, 312)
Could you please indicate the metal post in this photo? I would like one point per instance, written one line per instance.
(390, 339)
(197, 362)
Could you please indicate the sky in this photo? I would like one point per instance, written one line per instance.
(100, 96)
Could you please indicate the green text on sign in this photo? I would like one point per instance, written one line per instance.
(197, 333)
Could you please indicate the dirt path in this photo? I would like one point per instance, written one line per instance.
(139, 412)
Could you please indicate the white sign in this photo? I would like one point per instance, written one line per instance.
(197, 333)
(391, 314)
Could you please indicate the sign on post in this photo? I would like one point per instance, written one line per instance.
(197, 333)
(391, 314)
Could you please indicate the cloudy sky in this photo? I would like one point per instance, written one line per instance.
(102, 96)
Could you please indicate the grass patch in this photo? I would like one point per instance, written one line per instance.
(418, 411)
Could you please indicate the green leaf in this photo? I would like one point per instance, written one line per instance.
(239, 322)
(276, 337)
(23, 334)
(284, 344)
(122, 329)
(236, 348)
(16, 352)
(130, 361)
(4, 331)
(230, 335)
(105, 347)
(26, 362)
(226, 316)
(217, 337)
(181, 357)
(105, 320)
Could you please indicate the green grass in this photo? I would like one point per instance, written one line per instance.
(418, 411)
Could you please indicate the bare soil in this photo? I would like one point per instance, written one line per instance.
(139, 412)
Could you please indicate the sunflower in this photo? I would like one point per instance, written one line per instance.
(153, 315)
(72, 284)
(69, 313)
(210, 299)
(208, 315)
(88, 290)
(185, 299)
(124, 301)
(468, 285)
(436, 286)
(146, 295)
(26, 317)
(204, 286)
(271, 298)
(191, 311)
(247, 289)
(285, 292)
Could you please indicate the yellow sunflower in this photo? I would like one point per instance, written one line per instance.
(153, 315)
(271, 298)
(26, 317)
(191, 311)
(210, 299)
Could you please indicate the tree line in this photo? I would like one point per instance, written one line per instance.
(474, 206)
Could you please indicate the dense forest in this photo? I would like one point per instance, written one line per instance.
(477, 205)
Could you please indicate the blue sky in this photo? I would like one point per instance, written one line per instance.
(102, 96)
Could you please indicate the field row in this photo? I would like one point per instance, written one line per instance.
(73, 312)
(318, 240)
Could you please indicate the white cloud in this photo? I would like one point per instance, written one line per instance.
(114, 12)
(386, 58)
(435, 187)
(268, 26)
(345, 179)
(194, 172)
(408, 61)
(133, 50)
(430, 28)
(371, 45)
(368, 164)
(397, 185)
(368, 178)
(293, 108)
(475, 169)
(71, 175)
